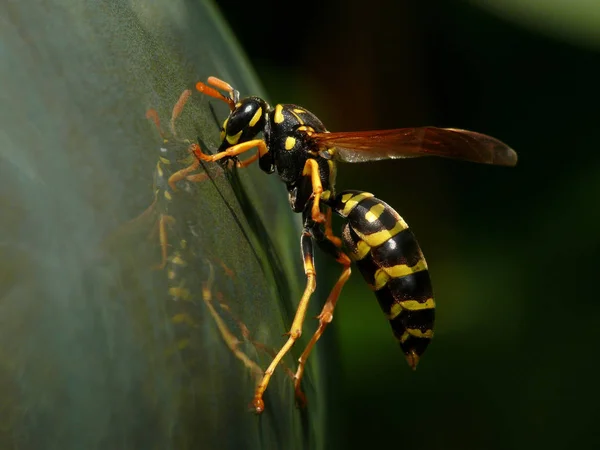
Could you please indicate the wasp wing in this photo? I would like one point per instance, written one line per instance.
(362, 146)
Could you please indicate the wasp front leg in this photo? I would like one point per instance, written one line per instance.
(235, 151)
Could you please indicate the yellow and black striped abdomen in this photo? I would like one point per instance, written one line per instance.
(389, 257)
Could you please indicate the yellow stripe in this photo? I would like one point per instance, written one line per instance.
(384, 274)
(354, 200)
(278, 117)
(416, 333)
(414, 305)
(164, 160)
(171, 274)
(373, 214)
(346, 197)
(159, 170)
(179, 293)
(234, 139)
(362, 250)
(167, 195)
(401, 270)
(380, 237)
(395, 310)
(325, 195)
(411, 305)
(256, 116)
(290, 143)
(299, 111)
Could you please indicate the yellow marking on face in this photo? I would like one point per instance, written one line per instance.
(401, 270)
(183, 318)
(373, 214)
(354, 200)
(290, 143)
(235, 138)
(256, 116)
(414, 305)
(278, 116)
(380, 237)
(178, 260)
(164, 160)
(179, 293)
(167, 195)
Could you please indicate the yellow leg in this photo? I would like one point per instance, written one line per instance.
(235, 150)
(230, 340)
(325, 318)
(296, 328)
(164, 239)
(311, 168)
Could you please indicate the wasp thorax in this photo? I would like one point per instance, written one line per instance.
(245, 121)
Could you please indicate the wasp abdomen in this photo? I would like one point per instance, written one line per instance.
(387, 254)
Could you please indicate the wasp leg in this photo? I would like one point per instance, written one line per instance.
(235, 150)
(164, 238)
(259, 346)
(329, 232)
(296, 328)
(329, 246)
(230, 340)
(311, 168)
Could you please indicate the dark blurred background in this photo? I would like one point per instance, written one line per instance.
(512, 252)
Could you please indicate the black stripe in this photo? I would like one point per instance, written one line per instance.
(422, 319)
(416, 286)
(403, 248)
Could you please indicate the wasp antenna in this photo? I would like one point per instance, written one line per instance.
(178, 108)
(207, 90)
(153, 116)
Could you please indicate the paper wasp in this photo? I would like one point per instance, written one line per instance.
(297, 145)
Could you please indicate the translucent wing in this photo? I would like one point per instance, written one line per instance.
(362, 146)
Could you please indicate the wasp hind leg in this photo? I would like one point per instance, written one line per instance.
(296, 328)
(329, 244)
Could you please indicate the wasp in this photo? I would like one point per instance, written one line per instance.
(296, 145)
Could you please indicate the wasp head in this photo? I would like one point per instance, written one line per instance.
(245, 121)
